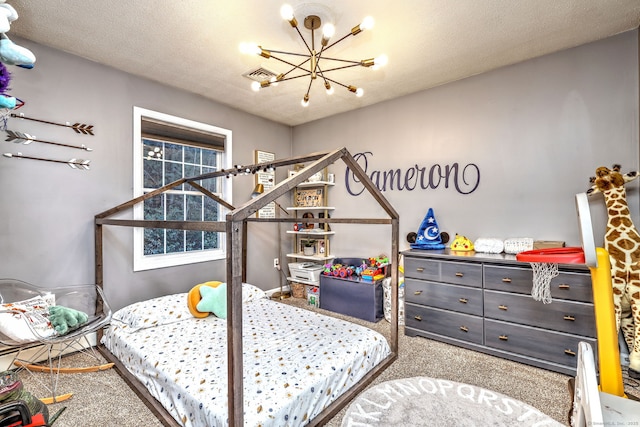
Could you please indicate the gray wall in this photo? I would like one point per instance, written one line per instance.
(537, 131)
(46, 221)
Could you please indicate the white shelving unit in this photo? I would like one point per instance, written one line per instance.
(320, 232)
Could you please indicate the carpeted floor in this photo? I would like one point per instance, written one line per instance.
(103, 398)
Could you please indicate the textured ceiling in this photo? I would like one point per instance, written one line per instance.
(194, 44)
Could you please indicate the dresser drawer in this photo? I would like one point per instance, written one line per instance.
(556, 347)
(463, 299)
(567, 285)
(457, 273)
(455, 325)
(566, 316)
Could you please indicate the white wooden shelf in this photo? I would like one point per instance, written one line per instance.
(311, 257)
(304, 282)
(309, 208)
(312, 233)
(315, 184)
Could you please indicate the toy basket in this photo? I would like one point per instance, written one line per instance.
(297, 290)
(386, 287)
(517, 245)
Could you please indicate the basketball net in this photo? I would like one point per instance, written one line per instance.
(543, 272)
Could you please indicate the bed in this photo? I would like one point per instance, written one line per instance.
(323, 373)
(296, 362)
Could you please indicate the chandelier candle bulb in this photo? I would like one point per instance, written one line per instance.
(327, 32)
(286, 12)
(329, 88)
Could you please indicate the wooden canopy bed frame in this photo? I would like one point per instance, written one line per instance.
(235, 228)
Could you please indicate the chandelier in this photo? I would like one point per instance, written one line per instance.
(312, 58)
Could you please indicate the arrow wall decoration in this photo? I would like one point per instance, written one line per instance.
(79, 164)
(77, 127)
(25, 138)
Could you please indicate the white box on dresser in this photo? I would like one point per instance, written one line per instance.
(483, 302)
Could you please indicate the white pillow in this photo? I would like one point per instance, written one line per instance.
(154, 312)
(516, 245)
(168, 309)
(15, 318)
(252, 293)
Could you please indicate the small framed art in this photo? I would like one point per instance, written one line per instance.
(309, 197)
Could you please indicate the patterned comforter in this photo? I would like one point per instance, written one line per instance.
(296, 362)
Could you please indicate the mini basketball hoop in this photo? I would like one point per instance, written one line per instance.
(544, 263)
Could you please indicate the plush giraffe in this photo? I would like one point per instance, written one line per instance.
(622, 241)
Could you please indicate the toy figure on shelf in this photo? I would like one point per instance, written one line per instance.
(622, 241)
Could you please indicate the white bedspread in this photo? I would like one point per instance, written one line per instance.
(296, 362)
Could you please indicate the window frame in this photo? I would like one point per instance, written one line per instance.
(143, 262)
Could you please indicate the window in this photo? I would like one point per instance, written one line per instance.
(167, 148)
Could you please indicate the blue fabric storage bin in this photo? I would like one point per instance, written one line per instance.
(352, 296)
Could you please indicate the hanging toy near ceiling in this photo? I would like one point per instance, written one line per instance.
(10, 54)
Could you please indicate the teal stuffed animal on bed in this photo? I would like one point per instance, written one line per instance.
(64, 319)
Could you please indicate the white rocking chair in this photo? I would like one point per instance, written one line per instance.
(33, 347)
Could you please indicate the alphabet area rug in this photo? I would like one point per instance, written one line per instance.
(424, 401)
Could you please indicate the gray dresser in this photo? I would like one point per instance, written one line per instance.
(483, 302)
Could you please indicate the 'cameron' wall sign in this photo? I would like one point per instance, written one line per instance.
(464, 179)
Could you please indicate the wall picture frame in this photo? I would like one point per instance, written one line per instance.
(309, 197)
(267, 179)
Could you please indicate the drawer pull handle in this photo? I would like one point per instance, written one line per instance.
(564, 286)
(507, 280)
(503, 307)
(417, 292)
(569, 317)
(459, 274)
(418, 318)
(504, 337)
(569, 352)
(463, 300)
(420, 269)
(464, 329)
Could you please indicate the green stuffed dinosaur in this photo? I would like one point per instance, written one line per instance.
(64, 319)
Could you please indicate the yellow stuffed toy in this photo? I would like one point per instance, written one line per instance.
(461, 244)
